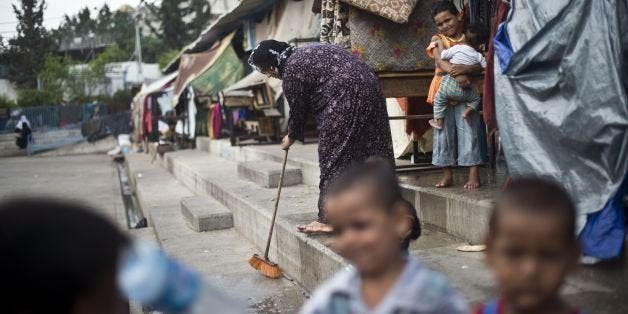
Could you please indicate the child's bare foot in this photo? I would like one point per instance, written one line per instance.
(474, 178)
(467, 113)
(447, 180)
(436, 123)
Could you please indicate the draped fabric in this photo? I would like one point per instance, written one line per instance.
(335, 23)
(563, 113)
(488, 98)
(389, 46)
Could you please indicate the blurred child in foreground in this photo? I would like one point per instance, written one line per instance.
(58, 257)
(373, 227)
(531, 248)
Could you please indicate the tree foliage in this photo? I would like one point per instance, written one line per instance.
(6, 102)
(26, 52)
(63, 80)
(104, 26)
(166, 57)
(172, 16)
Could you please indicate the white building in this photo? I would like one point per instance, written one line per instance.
(7, 90)
(120, 76)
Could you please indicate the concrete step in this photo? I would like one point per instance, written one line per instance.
(205, 214)
(220, 256)
(7, 144)
(7, 137)
(459, 212)
(202, 143)
(307, 261)
(304, 157)
(311, 259)
(101, 146)
(60, 133)
(266, 173)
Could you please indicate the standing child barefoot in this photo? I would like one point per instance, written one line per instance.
(531, 248)
(458, 122)
(373, 227)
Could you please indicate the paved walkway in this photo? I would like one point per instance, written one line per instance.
(92, 179)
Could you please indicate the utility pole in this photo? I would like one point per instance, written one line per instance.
(138, 43)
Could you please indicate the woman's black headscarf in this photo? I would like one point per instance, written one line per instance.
(271, 54)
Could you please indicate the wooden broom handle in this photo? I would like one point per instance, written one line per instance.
(272, 224)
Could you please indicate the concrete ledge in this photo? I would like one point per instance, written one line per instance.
(202, 143)
(303, 258)
(266, 173)
(204, 214)
(456, 211)
(220, 255)
(304, 157)
(461, 217)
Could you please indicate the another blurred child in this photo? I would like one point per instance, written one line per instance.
(58, 257)
(531, 248)
(373, 227)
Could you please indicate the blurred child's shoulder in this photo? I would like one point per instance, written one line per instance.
(430, 288)
(419, 277)
(339, 283)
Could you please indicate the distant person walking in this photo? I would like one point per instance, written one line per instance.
(23, 129)
(344, 95)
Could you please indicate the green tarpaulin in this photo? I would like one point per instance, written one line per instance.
(225, 71)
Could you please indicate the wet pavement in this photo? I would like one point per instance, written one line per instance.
(90, 179)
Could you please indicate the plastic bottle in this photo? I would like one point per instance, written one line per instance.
(148, 276)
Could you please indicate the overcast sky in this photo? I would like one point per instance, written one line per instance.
(54, 11)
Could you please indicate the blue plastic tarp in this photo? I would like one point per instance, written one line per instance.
(561, 101)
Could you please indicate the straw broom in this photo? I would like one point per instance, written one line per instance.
(263, 264)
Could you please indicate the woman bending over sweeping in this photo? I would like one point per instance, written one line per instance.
(344, 95)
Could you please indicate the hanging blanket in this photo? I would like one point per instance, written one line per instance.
(397, 11)
(334, 23)
(389, 46)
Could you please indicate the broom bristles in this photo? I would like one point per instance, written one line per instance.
(255, 262)
(270, 271)
(267, 268)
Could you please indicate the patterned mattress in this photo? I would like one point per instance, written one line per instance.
(388, 46)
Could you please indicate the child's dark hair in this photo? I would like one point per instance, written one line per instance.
(381, 174)
(536, 196)
(476, 35)
(53, 252)
(444, 6)
(415, 232)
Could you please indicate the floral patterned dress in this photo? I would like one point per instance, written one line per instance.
(344, 95)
